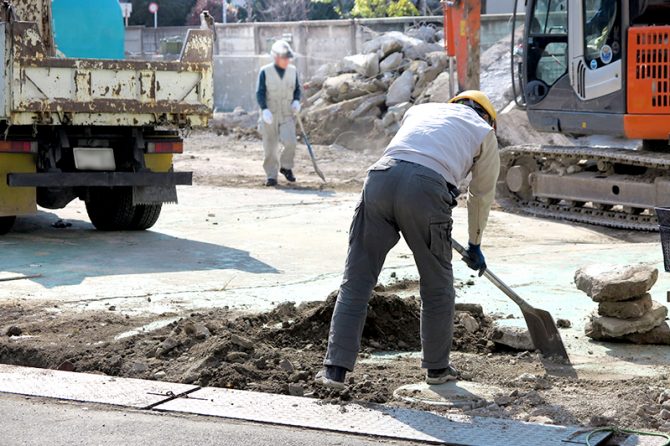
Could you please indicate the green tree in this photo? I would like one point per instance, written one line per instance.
(384, 8)
(170, 12)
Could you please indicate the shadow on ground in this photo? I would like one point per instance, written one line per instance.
(68, 256)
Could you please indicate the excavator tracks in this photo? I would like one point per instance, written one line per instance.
(562, 167)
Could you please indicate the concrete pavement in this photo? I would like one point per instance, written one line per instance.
(35, 421)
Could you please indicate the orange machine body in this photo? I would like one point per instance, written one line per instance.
(648, 83)
(462, 23)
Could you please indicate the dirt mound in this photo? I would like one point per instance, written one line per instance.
(392, 323)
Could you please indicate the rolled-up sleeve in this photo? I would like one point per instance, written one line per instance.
(482, 191)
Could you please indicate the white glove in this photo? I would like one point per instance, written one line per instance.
(267, 116)
(295, 105)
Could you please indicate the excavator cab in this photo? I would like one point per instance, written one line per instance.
(574, 81)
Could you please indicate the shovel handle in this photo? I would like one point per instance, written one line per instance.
(496, 280)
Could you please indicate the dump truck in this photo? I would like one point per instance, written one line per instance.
(99, 130)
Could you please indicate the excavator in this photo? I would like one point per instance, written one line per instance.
(593, 67)
(584, 68)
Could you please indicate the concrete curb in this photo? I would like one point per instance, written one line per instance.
(370, 420)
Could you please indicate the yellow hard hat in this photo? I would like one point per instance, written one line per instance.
(480, 98)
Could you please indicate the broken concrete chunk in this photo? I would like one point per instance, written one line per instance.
(366, 65)
(438, 90)
(657, 336)
(627, 309)
(367, 106)
(389, 43)
(606, 328)
(423, 32)
(615, 282)
(241, 342)
(421, 50)
(475, 309)
(349, 86)
(513, 337)
(470, 323)
(401, 89)
(296, 389)
(391, 62)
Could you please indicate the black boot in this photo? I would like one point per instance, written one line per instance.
(271, 182)
(288, 173)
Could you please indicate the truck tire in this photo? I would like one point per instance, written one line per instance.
(6, 224)
(146, 215)
(113, 210)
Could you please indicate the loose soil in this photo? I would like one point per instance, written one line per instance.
(280, 352)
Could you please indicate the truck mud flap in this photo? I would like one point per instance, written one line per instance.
(100, 179)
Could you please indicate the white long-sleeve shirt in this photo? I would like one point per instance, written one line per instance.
(453, 140)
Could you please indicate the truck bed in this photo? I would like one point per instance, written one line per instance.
(43, 90)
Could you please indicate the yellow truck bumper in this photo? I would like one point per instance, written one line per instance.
(16, 200)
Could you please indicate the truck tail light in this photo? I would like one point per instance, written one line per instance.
(18, 146)
(165, 147)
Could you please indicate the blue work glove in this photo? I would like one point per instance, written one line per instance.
(474, 258)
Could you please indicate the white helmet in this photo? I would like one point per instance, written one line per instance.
(281, 48)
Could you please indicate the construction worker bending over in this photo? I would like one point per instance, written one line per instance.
(278, 95)
(411, 191)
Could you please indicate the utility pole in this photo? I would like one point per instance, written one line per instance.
(225, 11)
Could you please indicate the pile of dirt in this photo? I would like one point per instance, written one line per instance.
(276, 352)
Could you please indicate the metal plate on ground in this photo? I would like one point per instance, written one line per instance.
(87, 387)
(374, 420)
(458, 394)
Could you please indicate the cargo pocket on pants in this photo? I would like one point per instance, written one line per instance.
(440, 240)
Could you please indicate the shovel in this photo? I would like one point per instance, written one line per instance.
(541, 325)
(310, 150)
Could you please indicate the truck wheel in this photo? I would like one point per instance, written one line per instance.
(113, 210)
(6, 224)
(146, 215)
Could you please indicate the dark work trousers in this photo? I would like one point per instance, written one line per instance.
(398, 197)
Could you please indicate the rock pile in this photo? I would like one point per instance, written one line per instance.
(361, 99)
(626, 311)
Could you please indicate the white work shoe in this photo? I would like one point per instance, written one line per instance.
(331, 377)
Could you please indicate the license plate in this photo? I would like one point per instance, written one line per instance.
(86, 158)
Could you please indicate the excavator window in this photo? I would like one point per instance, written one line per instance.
(602, 32)
(547, 43)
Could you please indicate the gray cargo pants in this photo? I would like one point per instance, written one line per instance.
(398, 197)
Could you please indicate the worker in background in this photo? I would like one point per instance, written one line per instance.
(411, 191)
(278, 95)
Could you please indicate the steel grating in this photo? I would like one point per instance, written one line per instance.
(87, 387)
(373, 420)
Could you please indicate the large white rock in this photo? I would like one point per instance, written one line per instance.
(513, 337)
(367, 65)
(605, 328)
(349, 86)
(603, 282)
(391, 63)
(401, 89)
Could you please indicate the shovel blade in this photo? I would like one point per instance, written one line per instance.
(544, 333)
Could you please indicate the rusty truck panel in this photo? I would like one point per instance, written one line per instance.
(44, 90)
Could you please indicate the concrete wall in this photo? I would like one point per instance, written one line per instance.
(242, 48)
(503, 6)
